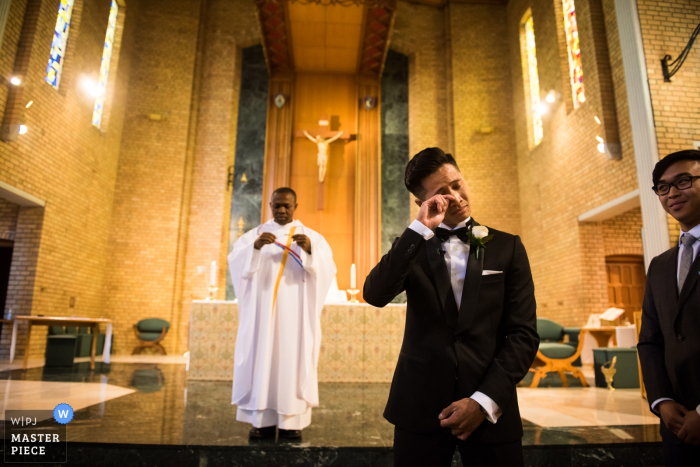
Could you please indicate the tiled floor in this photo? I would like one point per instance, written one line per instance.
(153, 403)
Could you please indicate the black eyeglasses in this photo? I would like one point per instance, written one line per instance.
(682, 183)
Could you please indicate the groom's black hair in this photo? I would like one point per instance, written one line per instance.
(283, 190)
(424, 164)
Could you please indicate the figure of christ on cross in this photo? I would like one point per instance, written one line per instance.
(322, 159)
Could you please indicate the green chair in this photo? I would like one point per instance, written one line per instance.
(627, 374)
(555, 355)
(150, 332)
(99, 350)
(60, 348)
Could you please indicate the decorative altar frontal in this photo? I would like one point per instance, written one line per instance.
(360, 343)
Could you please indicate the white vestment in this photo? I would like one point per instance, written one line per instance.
(275, 381)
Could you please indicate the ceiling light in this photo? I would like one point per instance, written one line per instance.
(600, 140)
(92, 88)
(15, 80)
(551, 97)
(597, 120)
(22, 129)
(29, 104)
(601, 148)
(542, 109)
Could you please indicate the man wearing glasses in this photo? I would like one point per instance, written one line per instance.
(669, 342)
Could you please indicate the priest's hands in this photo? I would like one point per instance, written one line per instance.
(267, 238)
(463, 417)
(672, 413)
(303, 241)
(264, 239)
(690, 431)
(433, 210)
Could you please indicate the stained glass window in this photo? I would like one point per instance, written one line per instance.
(574, 53)
(104, 67)
(532, 86)
(58, 45)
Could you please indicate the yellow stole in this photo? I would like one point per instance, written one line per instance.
(279, 276)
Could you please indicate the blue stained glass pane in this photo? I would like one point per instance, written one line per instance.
(58, 45)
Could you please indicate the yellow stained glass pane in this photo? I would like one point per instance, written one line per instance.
(533, 82)
(574, 53)
(104, 67)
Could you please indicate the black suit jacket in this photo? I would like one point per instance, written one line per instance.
(447, 354)
(669, 342)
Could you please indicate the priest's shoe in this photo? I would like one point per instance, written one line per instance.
(290, 434)
(263, 433)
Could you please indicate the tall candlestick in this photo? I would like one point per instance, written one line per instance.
(212, 277)
(353, 277)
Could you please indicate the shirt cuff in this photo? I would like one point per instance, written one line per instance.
(307, 261)
(420, 228)
(658, 401)
(491, 408)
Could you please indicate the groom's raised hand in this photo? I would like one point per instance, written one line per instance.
(463, 417)
(432, 211)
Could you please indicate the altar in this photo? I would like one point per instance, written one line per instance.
(360, 343)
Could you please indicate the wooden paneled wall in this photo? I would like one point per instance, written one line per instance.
(330, 95)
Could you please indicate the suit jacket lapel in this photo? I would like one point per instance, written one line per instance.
(441, 278)
(470, 291)
(689, 284)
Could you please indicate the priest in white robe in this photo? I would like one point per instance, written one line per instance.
(281, 272)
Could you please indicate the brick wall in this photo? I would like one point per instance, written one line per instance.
(622, 234)
(419, 32)
(482, 89)
(666, 27)
(230, 26)
(65, 161)
(8, 220)
(150, 199)
(171, 201)
(565, 176)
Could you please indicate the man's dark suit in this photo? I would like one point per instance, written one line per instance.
(669, 342)
(447, 354)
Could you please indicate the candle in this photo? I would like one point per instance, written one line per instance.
(212, 277)
(353, 277)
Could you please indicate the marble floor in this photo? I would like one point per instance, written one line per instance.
(144, 400)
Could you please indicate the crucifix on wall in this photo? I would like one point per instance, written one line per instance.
(323, 139)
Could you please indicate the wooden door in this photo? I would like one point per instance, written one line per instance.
(626, 278)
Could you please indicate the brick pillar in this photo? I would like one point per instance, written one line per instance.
(20, 290)
(14, 110)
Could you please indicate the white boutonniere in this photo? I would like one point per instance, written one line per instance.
(479, 237)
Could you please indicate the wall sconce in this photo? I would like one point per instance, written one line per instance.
(678, 62)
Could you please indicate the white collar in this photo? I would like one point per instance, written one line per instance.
(458, 226)
(695, 232)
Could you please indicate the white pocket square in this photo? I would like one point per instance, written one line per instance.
(489, 273)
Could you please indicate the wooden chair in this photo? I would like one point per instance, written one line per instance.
(150, 332)
(638, 324)
(555, 355)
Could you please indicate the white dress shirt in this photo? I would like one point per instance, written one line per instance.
(456, 257)
(695, 232)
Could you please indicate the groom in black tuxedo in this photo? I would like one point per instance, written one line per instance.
(471, 331)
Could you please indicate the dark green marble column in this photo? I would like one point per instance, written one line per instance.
(246, 196)
(396, 210)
